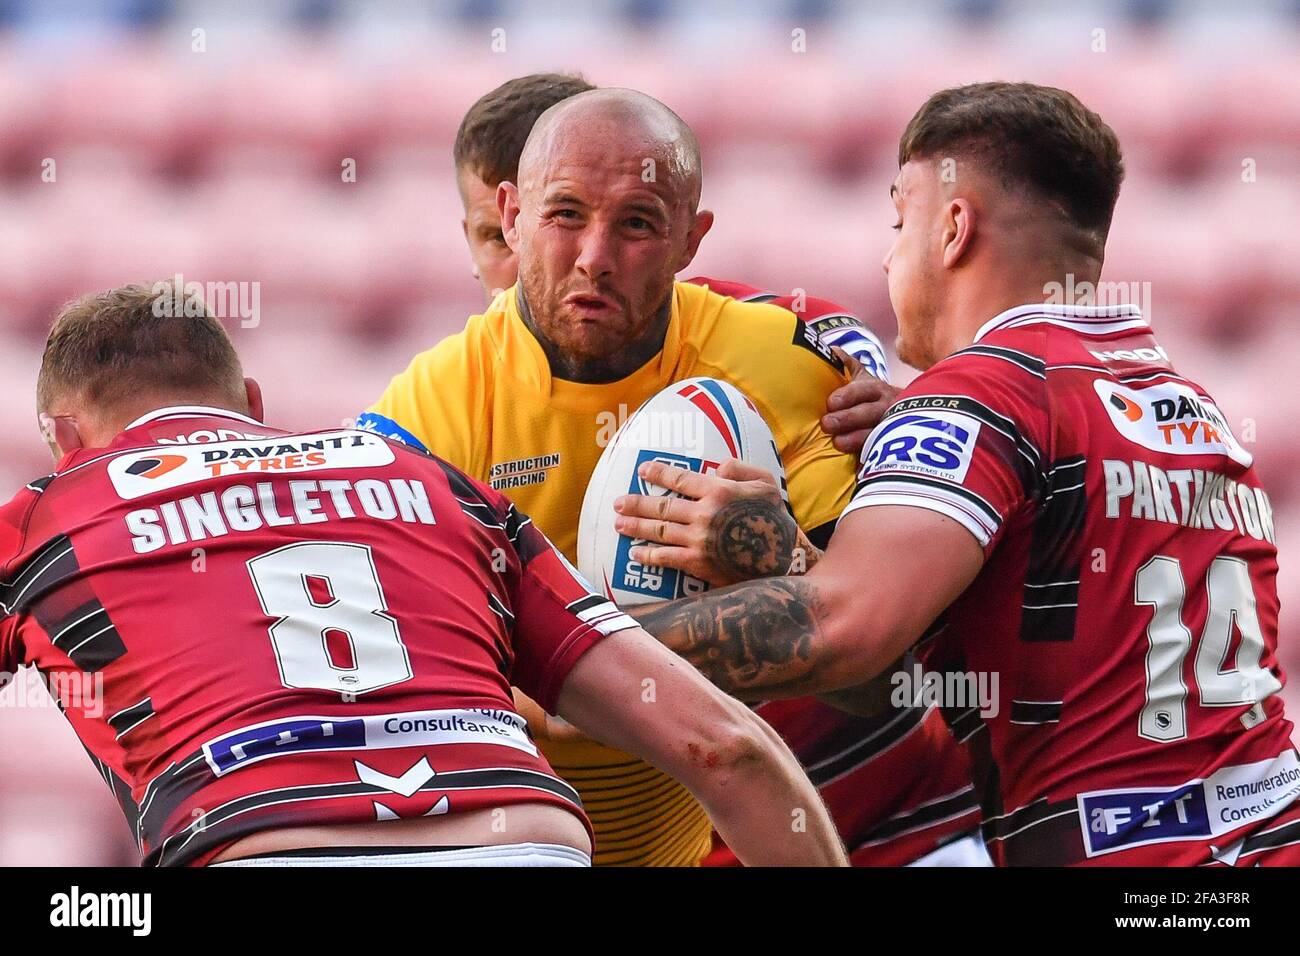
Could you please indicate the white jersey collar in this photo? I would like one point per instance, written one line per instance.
(1097, 319)
(191, 411)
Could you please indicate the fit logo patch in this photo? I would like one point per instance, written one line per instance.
(1228, 799)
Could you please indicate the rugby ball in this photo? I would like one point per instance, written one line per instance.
(697, 424)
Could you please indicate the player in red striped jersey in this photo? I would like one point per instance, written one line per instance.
(326, 678)
(1050, 503)
(929, 809)
(923, 815)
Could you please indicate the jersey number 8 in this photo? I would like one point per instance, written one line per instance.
(332, 632)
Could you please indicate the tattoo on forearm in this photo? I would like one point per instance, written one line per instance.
(752, 538)
(752, 640)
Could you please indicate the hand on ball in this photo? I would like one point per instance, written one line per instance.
(722, 528)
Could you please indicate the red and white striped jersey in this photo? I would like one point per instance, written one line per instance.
(897, 785)
(1128, 604)
(289, 629)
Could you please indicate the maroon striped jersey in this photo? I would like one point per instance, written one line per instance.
(897, 785)
(1127, 612)
(249, 628)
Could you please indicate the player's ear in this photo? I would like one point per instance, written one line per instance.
(700, 226)
(508, 207)
(61, 433)
(958, 230)
(254, 393)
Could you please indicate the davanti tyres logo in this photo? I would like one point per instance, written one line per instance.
(155, 467)
(1170, 417)
(1128, 408)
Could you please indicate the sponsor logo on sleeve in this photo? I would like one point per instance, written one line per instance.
(806, 337)
(853, 337)
(1170, 417)
(382, 425)
(937, 444)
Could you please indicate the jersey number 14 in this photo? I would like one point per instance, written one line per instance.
(1159, 584)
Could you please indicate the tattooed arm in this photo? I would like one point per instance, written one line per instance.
(755, 640)
(889, 572)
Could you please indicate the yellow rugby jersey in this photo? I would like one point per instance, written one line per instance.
(484, 399)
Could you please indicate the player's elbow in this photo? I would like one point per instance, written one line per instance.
(860, 636)
(723, 751)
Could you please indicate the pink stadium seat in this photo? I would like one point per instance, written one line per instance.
(294, 98)
(1236, 109)
(132, 98)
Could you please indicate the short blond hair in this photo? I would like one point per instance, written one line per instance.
(108, 348)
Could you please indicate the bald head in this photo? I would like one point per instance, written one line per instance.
(604, 214)
(618, 122)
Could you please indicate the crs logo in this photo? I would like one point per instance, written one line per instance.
(939, 444)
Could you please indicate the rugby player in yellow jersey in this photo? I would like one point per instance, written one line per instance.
(515, 401)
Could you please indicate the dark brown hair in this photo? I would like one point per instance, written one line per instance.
(110, 347)
(1035, 138)
(492, 134)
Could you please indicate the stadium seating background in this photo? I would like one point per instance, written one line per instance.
(224, 165)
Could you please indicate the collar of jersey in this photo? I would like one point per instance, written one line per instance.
(191, 411)
(1030, 312)
(535, 370)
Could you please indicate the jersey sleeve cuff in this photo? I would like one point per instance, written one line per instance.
(598, 623)
(975, 525)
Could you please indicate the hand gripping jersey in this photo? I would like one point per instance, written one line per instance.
(485, 400)
(1127, 606)
(288, 629)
